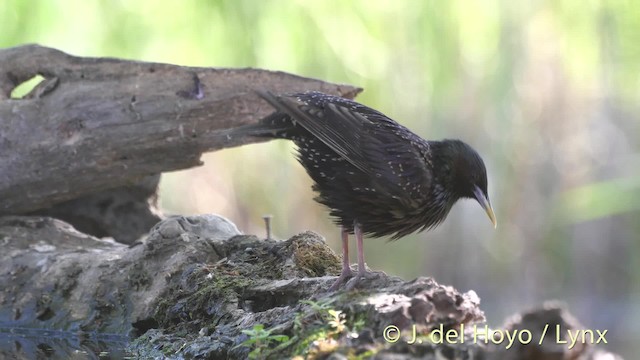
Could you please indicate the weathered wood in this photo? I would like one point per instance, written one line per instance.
(124, 213)
(194, 287)
(98, 123)
(54, 277)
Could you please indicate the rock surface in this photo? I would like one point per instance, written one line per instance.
(197, 288)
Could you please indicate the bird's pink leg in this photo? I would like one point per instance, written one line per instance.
(362, 267)
(346, 268)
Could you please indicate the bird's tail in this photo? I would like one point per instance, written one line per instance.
(275, 126)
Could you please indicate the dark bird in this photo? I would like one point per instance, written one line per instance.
(376, 176)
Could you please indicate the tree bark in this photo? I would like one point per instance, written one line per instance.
(98, 123)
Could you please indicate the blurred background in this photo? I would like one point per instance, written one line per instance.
(548, 92)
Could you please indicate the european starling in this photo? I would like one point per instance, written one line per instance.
(376, 176)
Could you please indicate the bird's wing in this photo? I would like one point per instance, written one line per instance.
(335, 126)
(366, 138)
(398, 159)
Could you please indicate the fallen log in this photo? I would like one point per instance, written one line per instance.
(98, 123)
(88, 143)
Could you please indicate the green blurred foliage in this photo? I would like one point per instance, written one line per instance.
(547, 91)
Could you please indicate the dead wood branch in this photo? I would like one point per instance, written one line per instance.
(98, 123)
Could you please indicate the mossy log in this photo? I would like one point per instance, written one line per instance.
(197, 288)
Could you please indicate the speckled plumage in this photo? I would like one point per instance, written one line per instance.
(368, 169)
(375, 175)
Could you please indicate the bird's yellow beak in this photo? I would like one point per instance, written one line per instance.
(486, 205)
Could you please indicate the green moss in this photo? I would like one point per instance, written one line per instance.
(320, 329)
(185, 313)
(261, 341)
(315, 258)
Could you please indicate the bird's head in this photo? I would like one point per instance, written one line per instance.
(469, 175)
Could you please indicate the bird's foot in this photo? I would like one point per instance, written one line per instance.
(344, 276)
(362, 277)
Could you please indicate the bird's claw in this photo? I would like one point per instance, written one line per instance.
(362, 277)
(343, 278)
